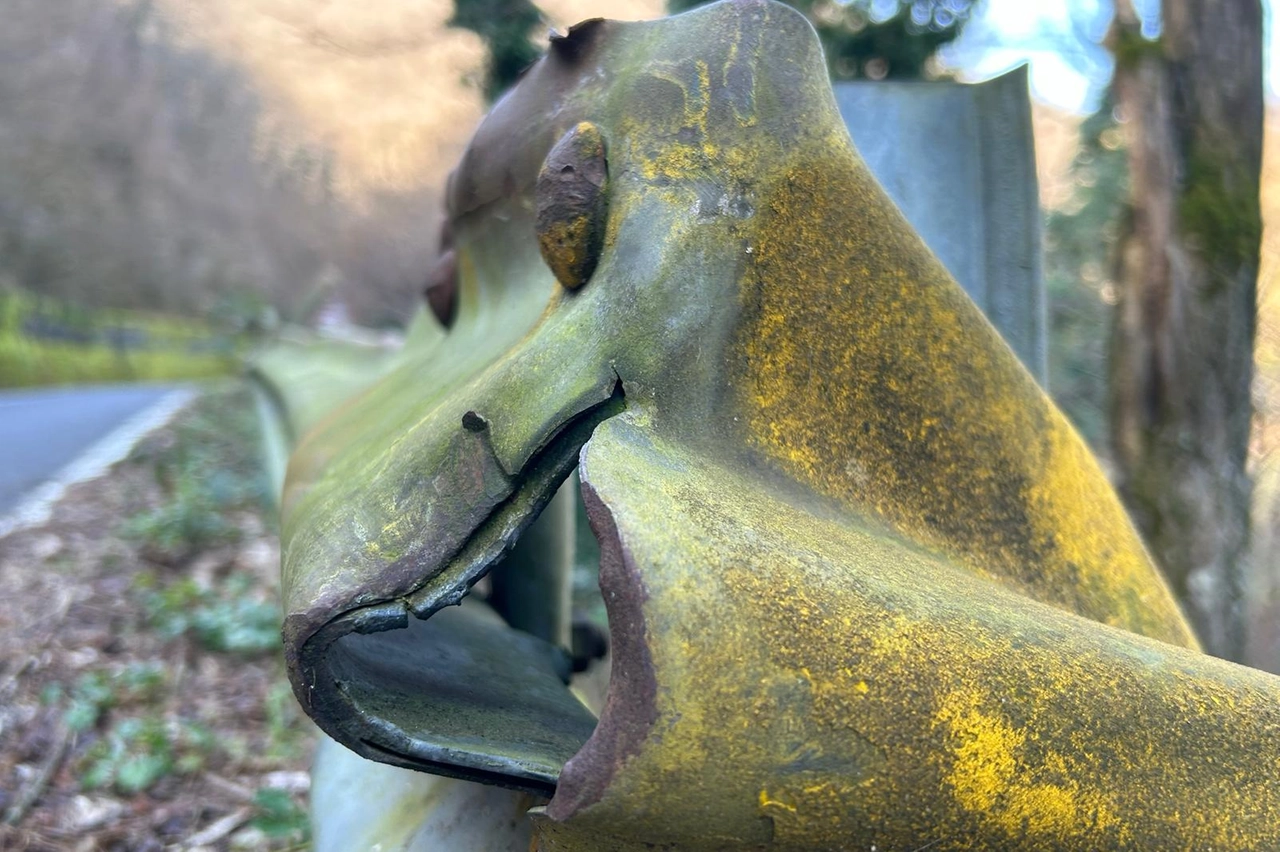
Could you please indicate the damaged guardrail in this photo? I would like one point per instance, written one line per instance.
(866, 587)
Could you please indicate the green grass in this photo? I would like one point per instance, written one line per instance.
(172, 348)
(137, 747)
(209, 473)
(134, 753)
(279, 817)
(230, 619)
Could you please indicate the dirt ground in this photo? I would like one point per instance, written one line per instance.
(143, 702)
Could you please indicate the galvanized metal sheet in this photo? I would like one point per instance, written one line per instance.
(959, 161)
(359, 805)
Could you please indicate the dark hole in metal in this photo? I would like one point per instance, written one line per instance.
(481, 690)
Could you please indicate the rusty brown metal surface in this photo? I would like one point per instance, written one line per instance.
(572, 203)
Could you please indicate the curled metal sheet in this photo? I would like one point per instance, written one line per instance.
(866, 586)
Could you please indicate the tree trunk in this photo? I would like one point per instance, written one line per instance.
(1182, 345)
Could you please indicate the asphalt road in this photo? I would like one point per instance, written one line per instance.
(43, 431)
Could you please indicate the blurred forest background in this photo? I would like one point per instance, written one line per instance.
(247, 162)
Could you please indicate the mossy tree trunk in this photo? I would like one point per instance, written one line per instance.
(1182, 347)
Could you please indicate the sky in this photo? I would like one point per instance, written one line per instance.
(1058, 38)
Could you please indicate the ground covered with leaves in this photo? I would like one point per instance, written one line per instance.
(143, 701)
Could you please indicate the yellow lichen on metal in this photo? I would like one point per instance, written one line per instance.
(562, 246)
(866, 372)
(677, 145)
(989, 777)
(822, 684)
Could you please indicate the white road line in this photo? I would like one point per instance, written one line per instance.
(36, 505)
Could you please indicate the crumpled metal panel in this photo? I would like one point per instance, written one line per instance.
(866, 586)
